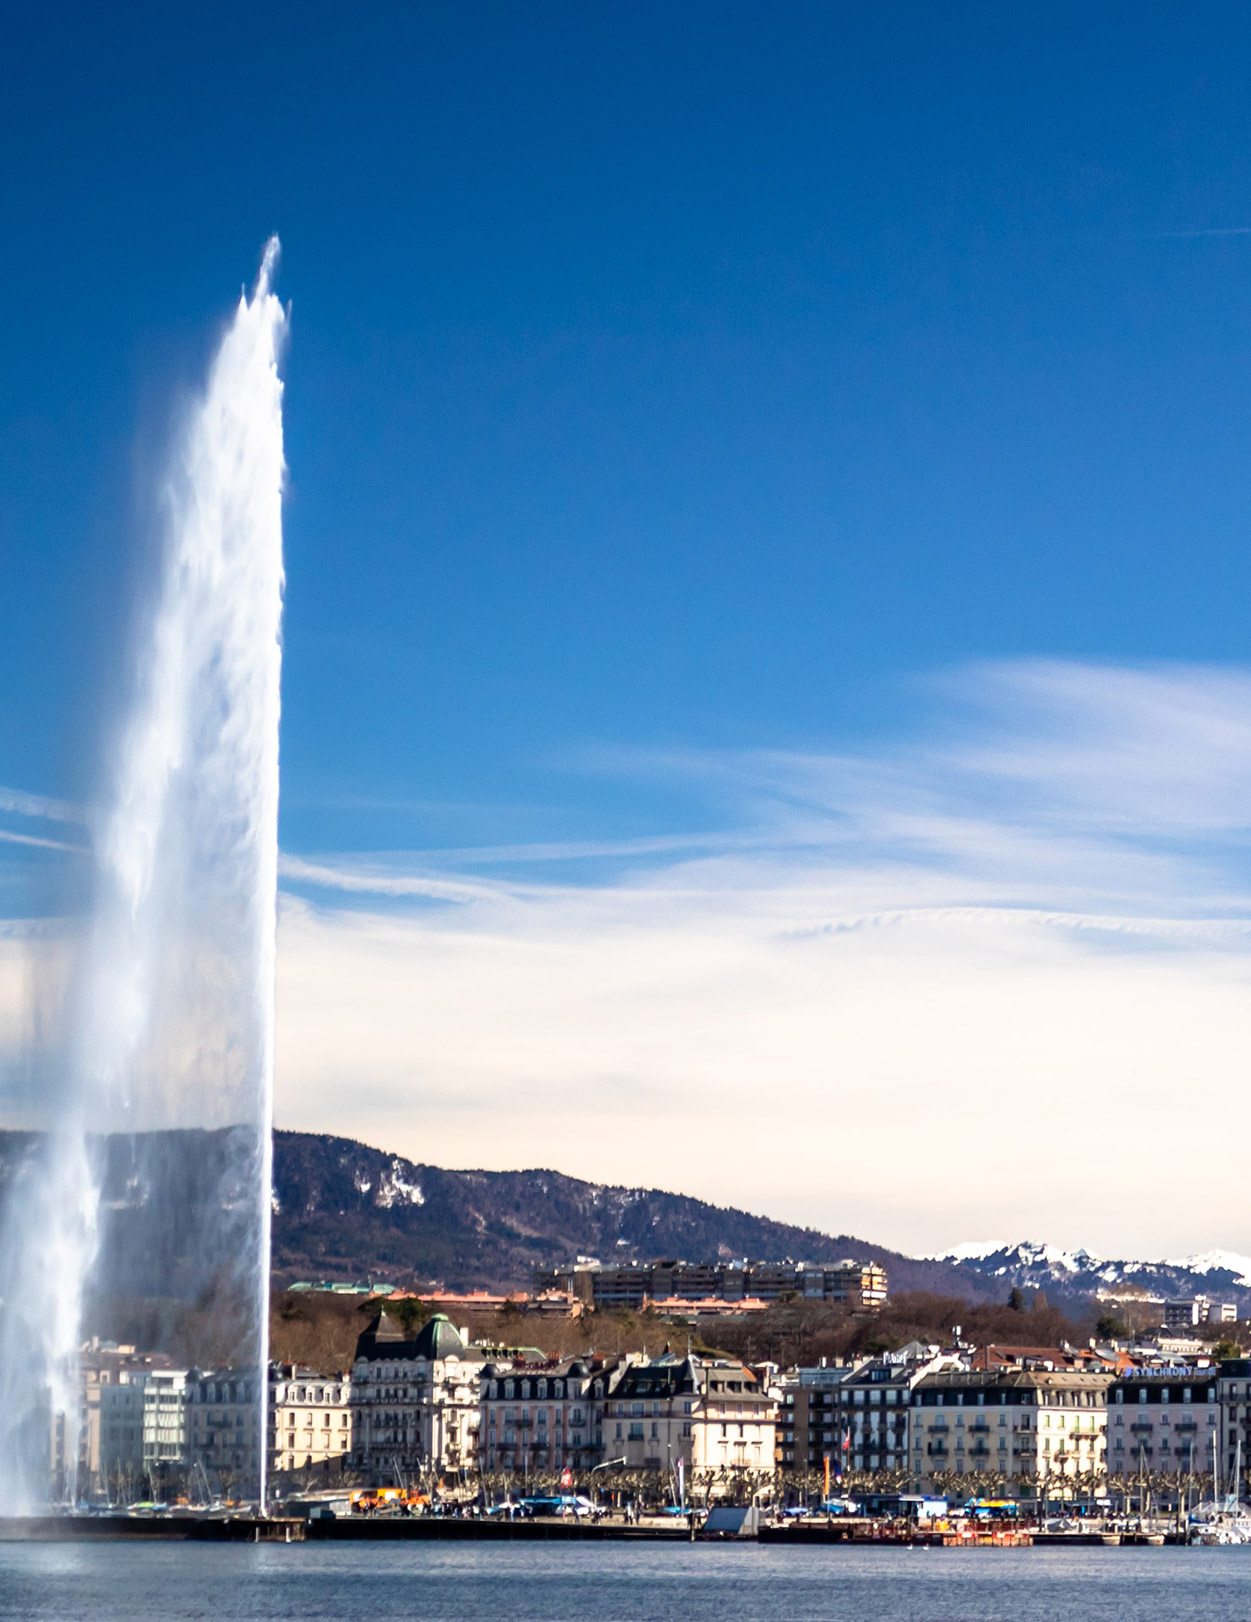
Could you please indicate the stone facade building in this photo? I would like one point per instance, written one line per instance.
(222, 1419)
(855, 1415)
(310, 1419)
(543, 1416)
(712, 1414)
(1233, 1391)
(1163, 1420)
(1024, 1425)
(413, 1402)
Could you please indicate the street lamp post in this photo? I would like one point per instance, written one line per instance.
(607, 1464)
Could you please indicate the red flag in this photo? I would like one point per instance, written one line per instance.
(566, 1477)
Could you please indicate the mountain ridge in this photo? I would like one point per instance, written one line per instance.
(1026, 1264)
(343, 1207)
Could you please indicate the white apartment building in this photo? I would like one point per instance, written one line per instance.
(1189, 1310)
(310, 1419)
(1025, 1425)
(712, 1414)
(164, 1420)
(413, 1403)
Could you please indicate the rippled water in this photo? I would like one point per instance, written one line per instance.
(613, 1583)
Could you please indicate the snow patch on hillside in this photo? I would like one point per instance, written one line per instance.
(1027, 1262)
(1023, 1254)
(395, 1189)
(1218, 1261)
(974, 1250)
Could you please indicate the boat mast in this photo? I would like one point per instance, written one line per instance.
(1216, 1475)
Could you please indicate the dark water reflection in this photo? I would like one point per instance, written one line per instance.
(605, 1583)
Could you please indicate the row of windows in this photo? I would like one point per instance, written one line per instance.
(637, 1408)
(850, 1399)
(1118, 1446)
(556, 1388)
(1160, 1394)
(541, 1388)
(1064, 1399)
(1184, 1419)
(510, 1416)
(1021, 1397)
(221, 1391)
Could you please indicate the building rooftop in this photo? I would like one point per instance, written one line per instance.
(437, 1340)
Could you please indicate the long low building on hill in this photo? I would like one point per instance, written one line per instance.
(859, 1285)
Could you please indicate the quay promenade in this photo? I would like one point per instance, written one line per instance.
(863, 1532)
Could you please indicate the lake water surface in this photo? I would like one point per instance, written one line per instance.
(128, 1582)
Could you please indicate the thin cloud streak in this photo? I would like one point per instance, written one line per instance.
(22, 804)
(10, 838)
(363, 881)
(1052, 784)
(568, 850)
(874, 987)
(1034, 910)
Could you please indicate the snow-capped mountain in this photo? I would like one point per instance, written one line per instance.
(1219, 1274)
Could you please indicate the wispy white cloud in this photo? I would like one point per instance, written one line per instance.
(8, 837)
(22, 804)
(575, 850)
(992, 974)
(1035, 780)
(365, 878)
(1161, 751)
(39, 808)
(907, 990)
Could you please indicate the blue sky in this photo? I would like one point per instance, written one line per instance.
(673, 394)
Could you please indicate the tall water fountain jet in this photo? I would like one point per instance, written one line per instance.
(153, 1180)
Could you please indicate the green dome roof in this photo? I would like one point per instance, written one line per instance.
(438, 1339)
(384, 1340)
